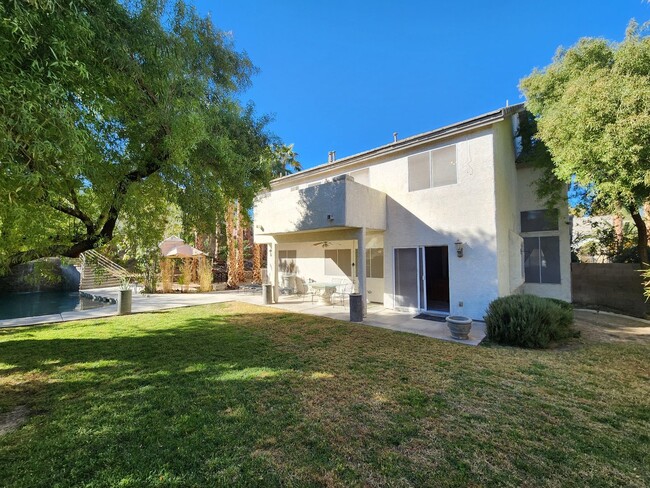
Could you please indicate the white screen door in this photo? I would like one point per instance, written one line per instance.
(406, 278)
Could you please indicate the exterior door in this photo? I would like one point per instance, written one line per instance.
(421, 278)
(435, 279)
(406, 292)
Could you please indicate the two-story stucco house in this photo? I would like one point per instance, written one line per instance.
(441, 222)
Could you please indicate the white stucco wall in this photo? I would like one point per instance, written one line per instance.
(481, 210)
(510, 274)
(328, 203)
(442, 215)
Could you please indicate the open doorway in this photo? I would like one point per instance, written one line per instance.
(436, 267)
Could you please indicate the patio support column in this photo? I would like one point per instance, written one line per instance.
(361, 266)
(273, 262)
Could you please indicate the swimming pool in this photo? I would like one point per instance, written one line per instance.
(15, 305)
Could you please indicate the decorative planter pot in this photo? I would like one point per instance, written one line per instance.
(459, 326)
(289, 281)
(124, 302)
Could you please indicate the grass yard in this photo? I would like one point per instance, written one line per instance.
(238, 395)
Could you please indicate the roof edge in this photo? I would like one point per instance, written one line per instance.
(448, 130)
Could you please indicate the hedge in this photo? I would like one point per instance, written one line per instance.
(528, 321)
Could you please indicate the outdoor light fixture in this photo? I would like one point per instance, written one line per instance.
(459, 248)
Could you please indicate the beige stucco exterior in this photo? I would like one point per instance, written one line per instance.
(367, 197)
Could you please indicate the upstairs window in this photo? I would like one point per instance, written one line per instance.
(539, 220)
(432, 168)
(419, 172)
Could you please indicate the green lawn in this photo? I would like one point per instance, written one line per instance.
(237, 395)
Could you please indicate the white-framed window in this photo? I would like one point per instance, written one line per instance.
(287, 261)
(337, 261)
(539, 220)
(541, 253)
(542, 259)
(433, 168)
(375, 262)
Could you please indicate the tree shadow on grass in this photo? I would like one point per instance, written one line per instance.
(207, 400)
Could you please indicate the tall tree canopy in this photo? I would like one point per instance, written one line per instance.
(592, 109)
(113, 110)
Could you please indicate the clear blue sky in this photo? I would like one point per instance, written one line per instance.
(344, 75)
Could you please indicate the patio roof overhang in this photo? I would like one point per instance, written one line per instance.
(331, 234)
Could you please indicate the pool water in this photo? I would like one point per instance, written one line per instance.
(15, 305)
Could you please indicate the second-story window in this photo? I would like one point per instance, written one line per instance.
(432, 168)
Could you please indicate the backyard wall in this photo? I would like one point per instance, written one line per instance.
(617, 287)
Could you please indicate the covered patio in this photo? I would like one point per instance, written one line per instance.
(318, 237)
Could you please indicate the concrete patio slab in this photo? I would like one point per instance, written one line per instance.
(377, 316)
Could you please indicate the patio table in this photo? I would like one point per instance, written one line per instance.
(327, 289)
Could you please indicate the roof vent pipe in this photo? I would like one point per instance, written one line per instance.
(329, 157)
(332, 156)
(394, 136)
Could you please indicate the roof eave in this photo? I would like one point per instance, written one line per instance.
(446, 131)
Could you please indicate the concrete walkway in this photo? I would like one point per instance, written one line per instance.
(378, 315)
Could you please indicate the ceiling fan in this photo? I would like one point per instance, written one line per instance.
(325, 244)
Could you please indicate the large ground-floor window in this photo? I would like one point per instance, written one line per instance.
(542, 259)
(337, 260)
(374, 262)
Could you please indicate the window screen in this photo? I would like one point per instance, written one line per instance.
(419, 172)
(287, 254)
(539, 220)
(287, 261)
(432, 168)
(542, 259)
(375, 263)
(443, 166)
(337, 261)
(406, 278)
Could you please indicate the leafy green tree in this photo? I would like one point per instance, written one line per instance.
(592, 114)
(113, 111)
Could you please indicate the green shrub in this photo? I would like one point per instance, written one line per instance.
(528, 321)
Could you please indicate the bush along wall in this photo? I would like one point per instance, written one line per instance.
(528, 321)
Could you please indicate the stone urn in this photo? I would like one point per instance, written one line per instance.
(288, 281)
(459, 326)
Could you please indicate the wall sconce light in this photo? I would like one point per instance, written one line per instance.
(330, 217)
(459, 248)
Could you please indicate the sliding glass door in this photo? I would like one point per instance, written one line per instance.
(406, 283)
(422, 278)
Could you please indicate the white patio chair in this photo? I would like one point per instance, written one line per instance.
(303, 289)
(342, 292)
